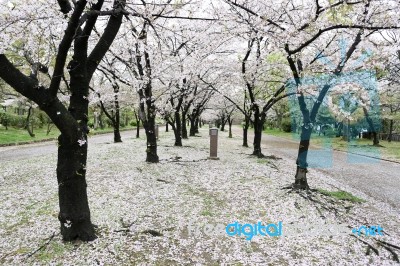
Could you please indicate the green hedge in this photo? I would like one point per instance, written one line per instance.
(39, 119)
(12, 120)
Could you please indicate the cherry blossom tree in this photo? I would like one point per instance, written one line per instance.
(390, 97)
(305, 31)
(72, 27)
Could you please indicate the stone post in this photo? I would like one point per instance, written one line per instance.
(213, 144)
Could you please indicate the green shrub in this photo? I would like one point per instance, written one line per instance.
(133, 123)
(330, 132)
(286, 125)
(4, 118)
(15, 120)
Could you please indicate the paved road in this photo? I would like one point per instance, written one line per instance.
(376, 178)
(36, 149)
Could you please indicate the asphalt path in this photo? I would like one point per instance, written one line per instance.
(49, 147)
(377, 178)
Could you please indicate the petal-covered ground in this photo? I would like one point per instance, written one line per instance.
(174, 212)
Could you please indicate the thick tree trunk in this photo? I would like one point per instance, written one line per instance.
(223, 126)
(371, 127)
(116, 122)
(301, 173)
(166, 127)
(117, 134)
(196, 125)
(245, 131)
(192, 131)
(258, 127)
(151, 151)
(301, 178)
(178, 129)
(218, 123)
(230, 121)
(137, 118)
(184, 127)
(138, 128)
(257, 143)
(223, 123)
(375, 138)
(74, 213)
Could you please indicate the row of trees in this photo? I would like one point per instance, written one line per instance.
(179, 58)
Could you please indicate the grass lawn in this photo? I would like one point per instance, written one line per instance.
(341, 195)
(17, 135)
(390, 151)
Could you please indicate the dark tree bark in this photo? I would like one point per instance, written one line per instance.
(72, 154)
(166, 127)
(390, 130)
(196, 123)
(178, 129)
(192, 131)
(218, 123)
(149, 123)
(230, 121)
(301, 162)
(185, 117)
(137, 118)
(245, 131)
(74, 208)
(372, 128)
(138, 128)
(114, 118)
(117, 134)
(223, 122)
(147, 108)
(259, 121)
(151, 151)
(175, 121)
(184, 126)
